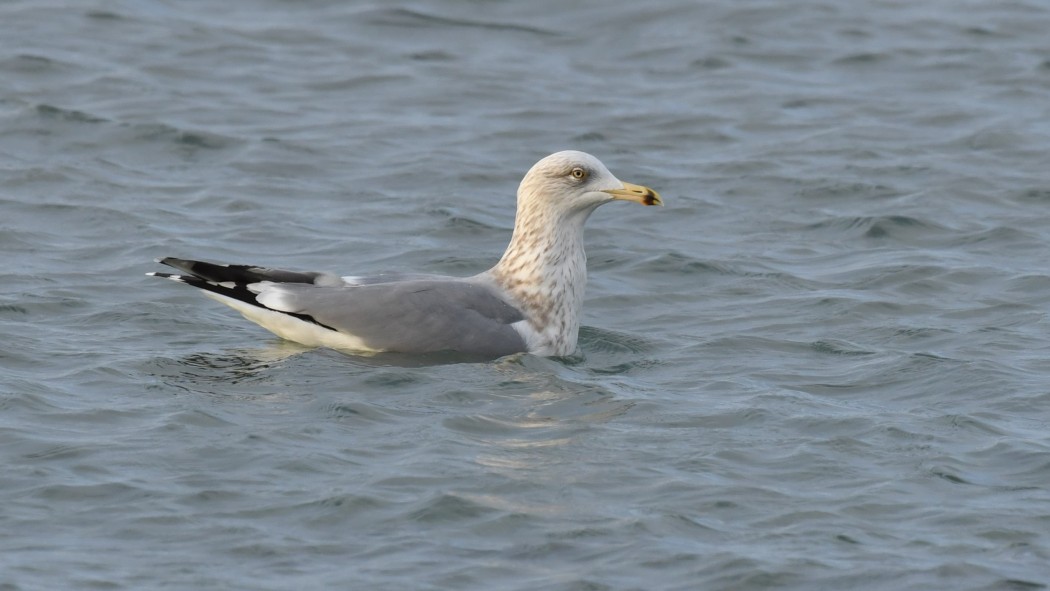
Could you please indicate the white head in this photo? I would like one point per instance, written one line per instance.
(572, 182)
(545, 267)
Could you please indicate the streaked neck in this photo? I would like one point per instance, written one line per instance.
(545, 269)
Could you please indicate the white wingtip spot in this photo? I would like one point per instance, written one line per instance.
(178, 278)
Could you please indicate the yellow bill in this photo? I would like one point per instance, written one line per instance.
(636, 193)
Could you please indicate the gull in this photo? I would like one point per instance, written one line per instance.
(530, 301)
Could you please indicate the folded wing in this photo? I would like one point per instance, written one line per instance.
(410, 316)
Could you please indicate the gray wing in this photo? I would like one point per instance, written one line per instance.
(419, 316)
(390, 278)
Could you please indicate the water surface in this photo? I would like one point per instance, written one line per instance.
(822, 365)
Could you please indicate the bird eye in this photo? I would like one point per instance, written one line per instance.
(579, 173)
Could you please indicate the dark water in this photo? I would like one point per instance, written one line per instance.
(824, 365)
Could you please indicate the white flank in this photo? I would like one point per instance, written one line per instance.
(536, 342)
(293, 329)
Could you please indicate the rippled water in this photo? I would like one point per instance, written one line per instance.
(824, 365)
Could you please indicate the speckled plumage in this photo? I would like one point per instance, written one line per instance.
(530, 300)
(544, 269)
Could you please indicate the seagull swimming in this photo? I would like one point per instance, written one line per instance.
(530, 301)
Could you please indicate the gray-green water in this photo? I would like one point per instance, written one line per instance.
(824, 365)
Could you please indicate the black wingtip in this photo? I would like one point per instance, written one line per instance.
(232, 290)
(220, 273)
